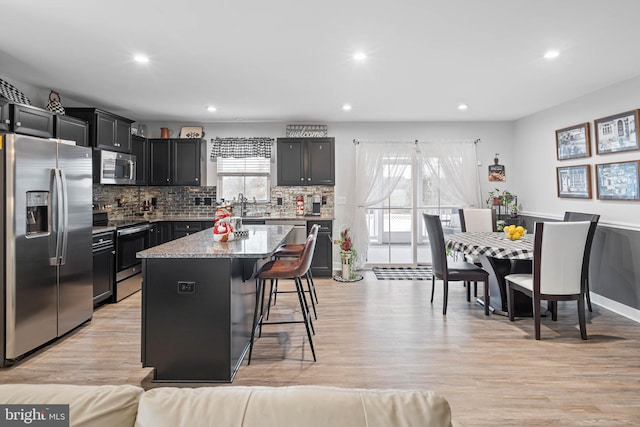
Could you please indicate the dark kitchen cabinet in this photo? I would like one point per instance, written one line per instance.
(185, 228)
(160, 233)
(175, 161)
(28, 120)
(107, 131)
(5, 115)
(72, 129)
(103, 267)
(322, 263)
(140, 149)
(306, 161)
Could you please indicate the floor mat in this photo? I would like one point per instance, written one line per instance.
(402, 273)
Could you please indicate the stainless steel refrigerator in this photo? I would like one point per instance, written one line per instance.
(47, 265)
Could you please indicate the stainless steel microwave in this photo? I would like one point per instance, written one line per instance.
(117, 168)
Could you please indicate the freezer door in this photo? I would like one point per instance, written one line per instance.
(30, 286)
(75, 292)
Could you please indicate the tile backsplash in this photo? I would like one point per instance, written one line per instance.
(123, 201)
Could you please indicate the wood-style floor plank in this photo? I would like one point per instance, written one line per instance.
(386, 334)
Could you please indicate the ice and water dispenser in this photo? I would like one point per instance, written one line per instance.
(37, 213)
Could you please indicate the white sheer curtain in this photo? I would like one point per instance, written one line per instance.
(454, 162)
(378, 168)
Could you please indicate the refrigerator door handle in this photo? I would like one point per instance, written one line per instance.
(58, 217)
(65, 217)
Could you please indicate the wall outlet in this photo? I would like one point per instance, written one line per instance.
(186, 287)
(207, 201)
(197, 201)
(279, 201)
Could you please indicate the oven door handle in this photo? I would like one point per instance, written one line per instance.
(133, 230)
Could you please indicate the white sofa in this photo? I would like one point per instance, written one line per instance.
(228, 406)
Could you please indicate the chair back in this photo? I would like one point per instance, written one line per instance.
(314, 230)
(579, 216)
(436, 242)
(559, 251)
(307, 255)
(476, 220)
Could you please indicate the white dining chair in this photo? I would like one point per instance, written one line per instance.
(476, 220)
(594, 218)
(558, 257)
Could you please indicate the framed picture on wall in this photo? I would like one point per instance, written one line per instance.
(617, 133)
(574, 181)
(618, 181)
(573, 142)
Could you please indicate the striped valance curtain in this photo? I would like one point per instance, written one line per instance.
(241, 148)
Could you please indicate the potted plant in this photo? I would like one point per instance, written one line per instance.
(348, 254)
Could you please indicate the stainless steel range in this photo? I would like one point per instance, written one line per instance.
(131, 238)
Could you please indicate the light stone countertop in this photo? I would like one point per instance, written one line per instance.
(158, 218)
(262, 241)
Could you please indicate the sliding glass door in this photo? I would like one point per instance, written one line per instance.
(397, 235)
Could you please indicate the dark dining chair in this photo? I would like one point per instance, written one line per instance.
(559, 249)
(460, 271)
(593, 218)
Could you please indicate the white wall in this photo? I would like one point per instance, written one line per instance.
(535, 158)
(496, 137)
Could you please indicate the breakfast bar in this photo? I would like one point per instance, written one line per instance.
(198, 297)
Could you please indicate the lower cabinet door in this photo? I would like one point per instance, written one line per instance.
(103, 275)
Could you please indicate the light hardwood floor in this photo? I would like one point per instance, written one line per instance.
(386, 334)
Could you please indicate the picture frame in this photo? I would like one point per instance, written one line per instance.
(618, 181)
(573, 142)
(617, 133)
(574, 181)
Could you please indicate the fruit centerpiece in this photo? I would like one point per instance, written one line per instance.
(514, 233)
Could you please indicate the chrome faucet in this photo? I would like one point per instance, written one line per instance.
(243, 204)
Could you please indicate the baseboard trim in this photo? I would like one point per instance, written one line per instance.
(616, 307)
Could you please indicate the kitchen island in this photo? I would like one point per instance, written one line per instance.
(198, 297)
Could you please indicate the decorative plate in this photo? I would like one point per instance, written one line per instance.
(191, 132)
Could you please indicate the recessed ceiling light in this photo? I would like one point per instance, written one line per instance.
(551, 54)
(346, 107)
(211, 108)
(142, 59)
(462, 107)
(359, 56)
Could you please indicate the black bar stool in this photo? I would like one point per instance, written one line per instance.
(294, 250)
(293, 269)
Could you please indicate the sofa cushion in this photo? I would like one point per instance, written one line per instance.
(290, 406)
(89, 406)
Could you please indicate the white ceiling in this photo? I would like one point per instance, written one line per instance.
(290, 60)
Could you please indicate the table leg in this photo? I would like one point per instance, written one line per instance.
(498, 269)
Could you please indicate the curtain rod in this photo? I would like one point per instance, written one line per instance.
(475, 141)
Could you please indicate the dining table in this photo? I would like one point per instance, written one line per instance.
(499, 256)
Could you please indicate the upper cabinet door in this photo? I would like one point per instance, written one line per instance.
(291, 161)
(159, 162)
(105, 132)
(32, 121)
(72, 129)
(186, 161)
(5, 115)
(140, 149)
(321, 166)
